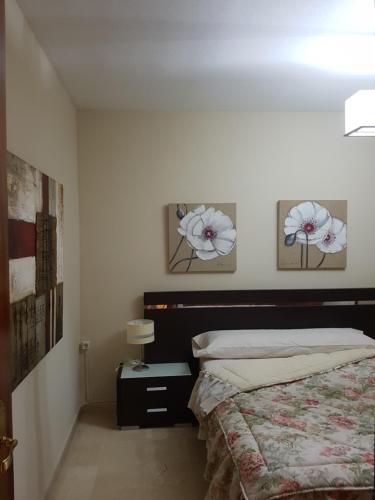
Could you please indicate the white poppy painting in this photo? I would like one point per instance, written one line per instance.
(312, 235)
(202, 237)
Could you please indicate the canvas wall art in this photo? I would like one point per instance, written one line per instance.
(35, 221)
(202, 237)
(312, 234)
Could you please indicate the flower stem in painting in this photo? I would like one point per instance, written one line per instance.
(291, 239)
(321, 262)
(307, 256)
(182, 260)
(191, 258)
(177, 249)
(307, 251)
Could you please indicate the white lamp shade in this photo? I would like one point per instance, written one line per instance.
(140, 331)
(360, 114)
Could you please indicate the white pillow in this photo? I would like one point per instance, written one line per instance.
(234, 344)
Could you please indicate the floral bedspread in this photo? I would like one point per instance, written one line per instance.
(313, 438)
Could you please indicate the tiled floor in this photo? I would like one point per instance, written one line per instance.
(103, 463)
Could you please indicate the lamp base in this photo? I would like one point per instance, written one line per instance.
(141, 367)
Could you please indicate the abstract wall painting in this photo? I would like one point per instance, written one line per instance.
(35, 222)
(202, 237)
(312, 235)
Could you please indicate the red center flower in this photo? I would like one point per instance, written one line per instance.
(309, 227)
(209, 233)
(329, 240)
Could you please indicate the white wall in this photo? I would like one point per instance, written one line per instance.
(133, 164)
(41, 127)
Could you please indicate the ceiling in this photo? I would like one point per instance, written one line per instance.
(266, 55)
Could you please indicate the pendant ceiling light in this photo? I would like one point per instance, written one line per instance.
(360, 114)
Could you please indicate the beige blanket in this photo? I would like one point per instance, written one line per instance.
(222, 379)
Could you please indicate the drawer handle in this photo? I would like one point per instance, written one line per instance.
(150, 389)
(157, 410)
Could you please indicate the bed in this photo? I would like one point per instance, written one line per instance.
(300, 426)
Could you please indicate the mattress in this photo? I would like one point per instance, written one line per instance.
(311, 437)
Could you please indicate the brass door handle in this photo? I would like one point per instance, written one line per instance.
(10, 444)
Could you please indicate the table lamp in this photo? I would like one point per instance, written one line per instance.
(140, 331)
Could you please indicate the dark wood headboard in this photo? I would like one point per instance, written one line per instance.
(179, 316)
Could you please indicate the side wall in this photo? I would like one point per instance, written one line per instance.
(133, 164)
(41, 127)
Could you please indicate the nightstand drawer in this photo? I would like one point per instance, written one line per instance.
(157, 416)
(159, 387)
(156, 399)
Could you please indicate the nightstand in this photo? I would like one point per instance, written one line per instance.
(155, 397)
